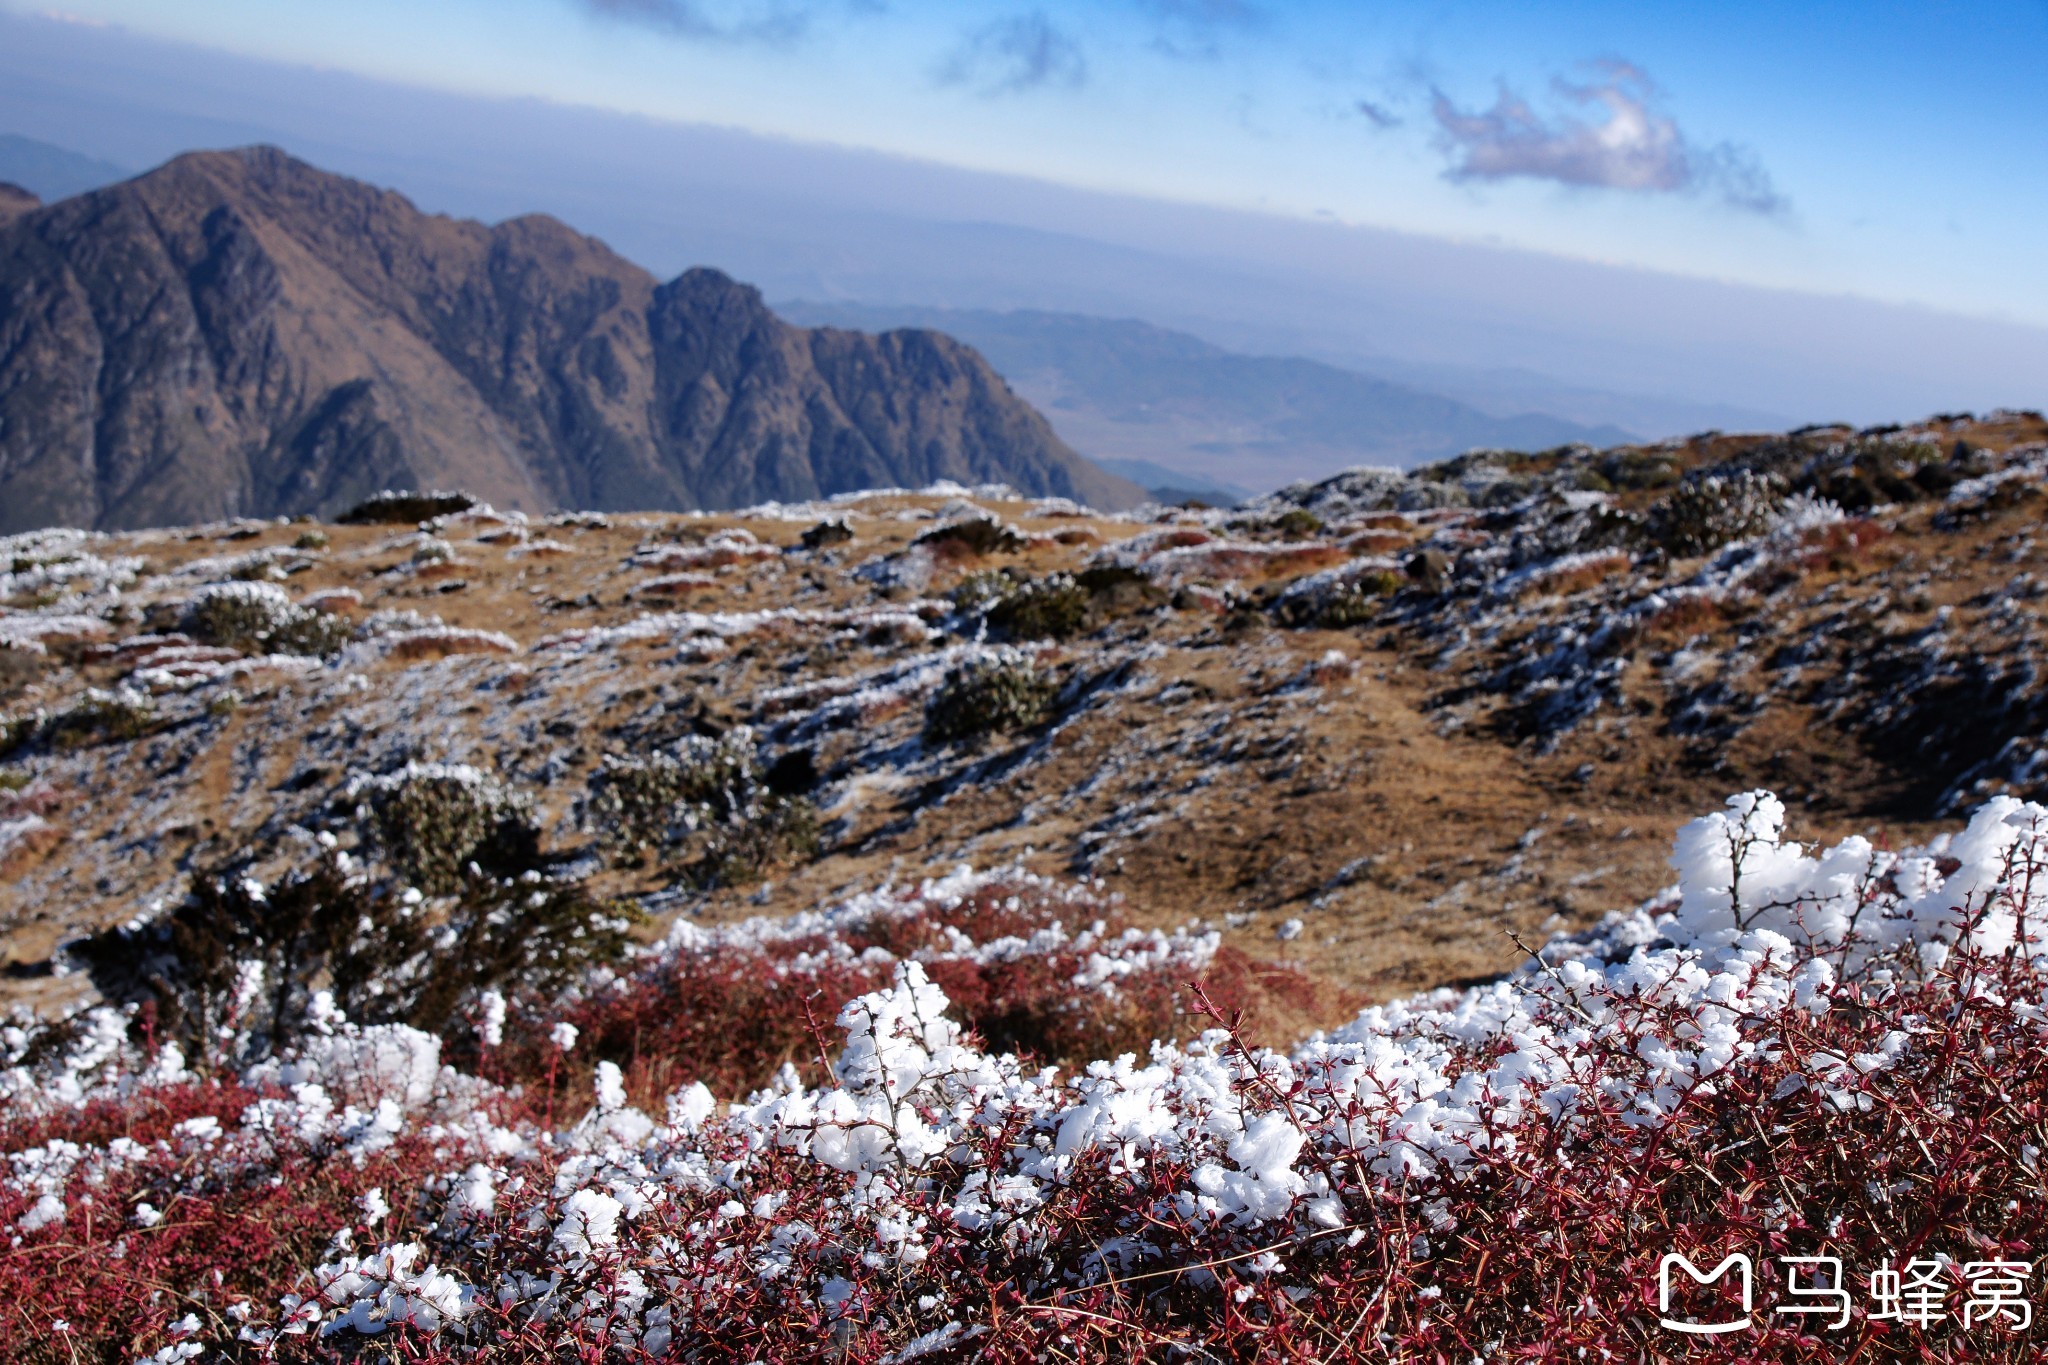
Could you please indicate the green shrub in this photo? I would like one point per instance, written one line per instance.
(642, 806)
(994, 694)
(1336, 603)
(1056, 607)
(982, 589)
(1358, 601)
(236, 616)
(431, 821)
(1297, 523)
(310, 540)
(16, 732)
(1114, 589)
(1632, 468)
(776, 831)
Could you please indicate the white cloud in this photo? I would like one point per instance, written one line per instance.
(1629, 145)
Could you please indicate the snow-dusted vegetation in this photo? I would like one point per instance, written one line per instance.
(1795, 1051)
(469, 938)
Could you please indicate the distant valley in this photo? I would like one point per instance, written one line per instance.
(1122, 391)
(50, 172)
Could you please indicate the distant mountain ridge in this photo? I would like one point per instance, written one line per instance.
(1120, 389)
(51, 172)
(241, 333)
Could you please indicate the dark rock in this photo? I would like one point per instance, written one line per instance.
(394, 508)
(793, 774)
(827, 533)
(1428, 567)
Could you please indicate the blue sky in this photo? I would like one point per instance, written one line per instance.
(1884, 150)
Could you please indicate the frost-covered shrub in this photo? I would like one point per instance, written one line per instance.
(241, 967)
(1833, 1053)
(432, 550)
(101, 717)
(774, 831)
(993, 694)
(707, 805)
(432, 820)
(636, 805)
(1359, 600)
(1703, 514)
(16, 731)
(1297, 523)
(1498, 1171)
(1031, 965)
(261, 617)
(1051, 608)
(1338, 598)
(153, 1211)
(981, 589)
(1632, 467)
(235, 967)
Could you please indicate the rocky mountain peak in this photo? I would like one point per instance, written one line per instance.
(240, 333)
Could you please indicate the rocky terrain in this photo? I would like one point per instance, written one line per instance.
(1407, 711)
(949, 924)
(238, 333)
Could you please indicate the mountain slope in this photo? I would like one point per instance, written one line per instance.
(15, 201)
(240, 333)
(1128, 390)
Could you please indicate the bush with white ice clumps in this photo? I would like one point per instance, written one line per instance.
(1855, 902)
(1795, 1052)
(1782, 1010)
